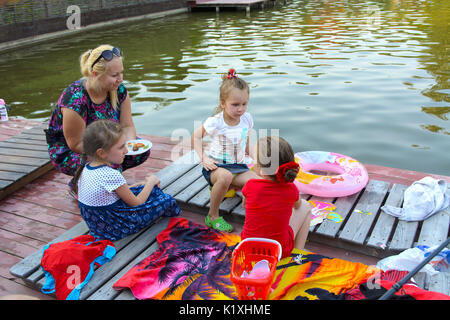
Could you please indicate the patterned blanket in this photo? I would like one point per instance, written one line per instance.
(194, 262)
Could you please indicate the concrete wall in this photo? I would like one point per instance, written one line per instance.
(29, 18)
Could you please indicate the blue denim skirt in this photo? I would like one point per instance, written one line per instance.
(234, 168)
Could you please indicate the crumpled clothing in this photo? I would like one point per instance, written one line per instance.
(421, 200)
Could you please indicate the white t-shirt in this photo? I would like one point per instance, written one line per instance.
(228, 142)
(97, 184)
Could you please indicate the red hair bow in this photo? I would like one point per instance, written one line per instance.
(231, 74)
(285, 167)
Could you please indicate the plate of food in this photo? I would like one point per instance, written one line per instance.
(138, 146)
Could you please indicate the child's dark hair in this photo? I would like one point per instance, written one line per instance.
(100, 134)
(230, 81)
(272, 152)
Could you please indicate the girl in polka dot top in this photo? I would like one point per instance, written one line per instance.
(110, 207)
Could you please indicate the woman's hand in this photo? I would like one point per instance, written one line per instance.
(126, 119)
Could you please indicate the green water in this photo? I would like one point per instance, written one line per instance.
(369, 79)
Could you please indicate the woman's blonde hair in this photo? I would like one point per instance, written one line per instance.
(86, 61)
(230, 81)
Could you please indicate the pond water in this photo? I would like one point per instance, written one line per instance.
(368, 79)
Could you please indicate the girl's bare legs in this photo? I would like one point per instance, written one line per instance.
(300, 221)
(241, 179)
(221, 180)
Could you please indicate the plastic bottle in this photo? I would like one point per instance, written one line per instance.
(3, 112)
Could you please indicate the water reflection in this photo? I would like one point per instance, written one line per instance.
(363, 78)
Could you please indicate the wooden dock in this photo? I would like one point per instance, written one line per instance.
(42, 211)
(23, 156)
(217, 4)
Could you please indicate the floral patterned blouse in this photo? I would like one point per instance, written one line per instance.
(76, 98)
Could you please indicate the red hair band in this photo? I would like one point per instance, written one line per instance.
(231, 74)
(285, 167)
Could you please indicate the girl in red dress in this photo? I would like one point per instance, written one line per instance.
(273, 208)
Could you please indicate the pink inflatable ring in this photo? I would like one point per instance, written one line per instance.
(351, 176)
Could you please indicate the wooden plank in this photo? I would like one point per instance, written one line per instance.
(228, 204)
(14, 145)
(16, 167)
(31, 263)
(175, 170)
(19, 140)
(422, 279)
(404, 235)
(201, 199)
(24, 160)
(238, 214)
(343, 205)
(435, 229)
(184, 181)
(38, 130)
(107, 292)
(358, 225)
(11, 176)
(4, 184)
(440, 283)
(385, 222)
(37, 137)
(24, 153)
(12, 187)
(191, 190)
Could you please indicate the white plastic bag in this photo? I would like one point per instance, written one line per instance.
(411, 258)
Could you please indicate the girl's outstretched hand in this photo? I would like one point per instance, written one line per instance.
(208, 163)
(152, 180)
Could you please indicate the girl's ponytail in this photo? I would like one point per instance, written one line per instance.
(279, 161)
(77, 175)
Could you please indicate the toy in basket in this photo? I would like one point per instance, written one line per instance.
(253, 267)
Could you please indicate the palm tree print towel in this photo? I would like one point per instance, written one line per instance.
(193, 262)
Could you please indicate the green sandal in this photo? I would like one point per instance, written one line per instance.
(218, 224)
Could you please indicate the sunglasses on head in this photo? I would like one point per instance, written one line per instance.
(108, 55)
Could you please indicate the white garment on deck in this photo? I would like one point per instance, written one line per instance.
(422, 199)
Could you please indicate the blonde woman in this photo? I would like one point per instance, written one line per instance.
(100, 94)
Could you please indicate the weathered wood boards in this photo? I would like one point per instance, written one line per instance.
(23, 158)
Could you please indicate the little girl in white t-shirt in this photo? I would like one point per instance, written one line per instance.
(224, 163)
(110, 207)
